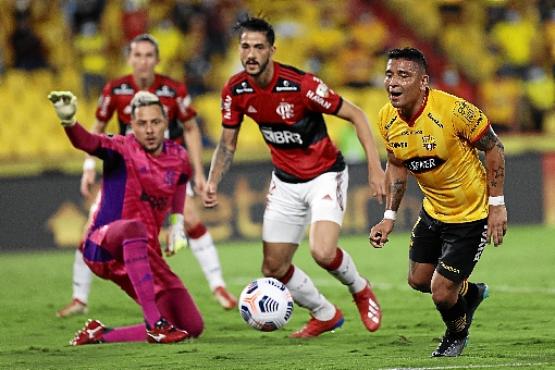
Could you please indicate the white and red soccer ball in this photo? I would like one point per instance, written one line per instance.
(266, 304)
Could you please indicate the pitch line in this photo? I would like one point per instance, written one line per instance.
(513, 364)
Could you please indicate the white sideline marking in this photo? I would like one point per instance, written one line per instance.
(388, 286)
(514, 364)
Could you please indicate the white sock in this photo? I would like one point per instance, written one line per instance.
(306, 295)
(82, 277)
(348, 275)
(207, 256)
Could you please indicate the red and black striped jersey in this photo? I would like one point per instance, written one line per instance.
(289, 113)
(117, 95)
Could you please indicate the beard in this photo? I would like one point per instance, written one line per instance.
(261, 69)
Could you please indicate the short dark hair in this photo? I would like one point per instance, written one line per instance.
(257, 25)
(143, 99)
(145, 37)
(412, 54)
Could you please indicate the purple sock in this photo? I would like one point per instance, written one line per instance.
(134, 333)
(138, 268)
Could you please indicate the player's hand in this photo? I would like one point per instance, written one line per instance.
(176, 235)
(497, 224)
(65, 105)
(376, 180)
(380, 232)
(210, 195)
(87, 181)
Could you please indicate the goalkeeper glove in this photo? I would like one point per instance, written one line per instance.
(65, 104)
(176, 235)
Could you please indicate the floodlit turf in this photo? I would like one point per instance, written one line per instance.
(514, 328)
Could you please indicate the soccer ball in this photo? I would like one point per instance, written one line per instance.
(266, 304)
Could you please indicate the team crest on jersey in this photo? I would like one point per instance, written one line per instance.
(429, 142)
(285, 110)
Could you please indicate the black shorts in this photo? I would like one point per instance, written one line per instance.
(454, 248)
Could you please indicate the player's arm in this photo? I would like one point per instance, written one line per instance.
(376, 176)
(221, 161)
(396, 176)
(176, 233)
(193, 139)
(65, 105)
(89, 165)
(494, 152)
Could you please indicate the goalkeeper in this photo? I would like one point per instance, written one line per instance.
(145, 176)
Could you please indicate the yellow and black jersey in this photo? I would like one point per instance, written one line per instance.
(436, 147)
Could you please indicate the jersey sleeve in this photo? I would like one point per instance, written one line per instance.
(469, 121)
(318, 96)
(382, 119)
(184, 104)
(232, 116)
(106, 104)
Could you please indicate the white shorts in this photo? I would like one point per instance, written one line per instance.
(291, 207)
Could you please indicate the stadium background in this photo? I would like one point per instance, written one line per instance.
(499, 55)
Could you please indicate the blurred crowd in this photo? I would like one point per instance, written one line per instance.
(498, 54)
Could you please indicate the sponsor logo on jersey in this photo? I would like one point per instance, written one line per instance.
(285, 110)
(281, 137)
(429, 142)
(318, 99)
(435, 120)
(390, 123)
(466, 111)
(103, 103)
(165, 91)
(158, 203)
(226, 107)
(286, 85)
(242, 88)
(322, 90)
(401, 144)
(251, 109)
(123, 89)
(423, 164)
(412, 132)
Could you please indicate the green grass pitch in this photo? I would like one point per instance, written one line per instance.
(514, 328)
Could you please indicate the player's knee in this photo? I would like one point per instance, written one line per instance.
(443, 299)
(274, 268)
(324, 256)
(419, 285)
(196, 327)
(134, 229)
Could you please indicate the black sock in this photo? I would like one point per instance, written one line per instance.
(471, 294)
(455, 318)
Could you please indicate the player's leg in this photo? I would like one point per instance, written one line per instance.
(282, 230)
(126, 241)
(327, 195)
(82, 279)
(82, 275)
(180, 309)
(461, 250)
(204, 250)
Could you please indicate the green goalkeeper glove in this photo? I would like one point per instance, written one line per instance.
(176, 235)
(65, 104)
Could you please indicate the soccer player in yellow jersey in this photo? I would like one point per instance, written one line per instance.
(436, 137)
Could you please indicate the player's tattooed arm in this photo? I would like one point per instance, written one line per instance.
(223, 155)
(396, 179)
(494, 160)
